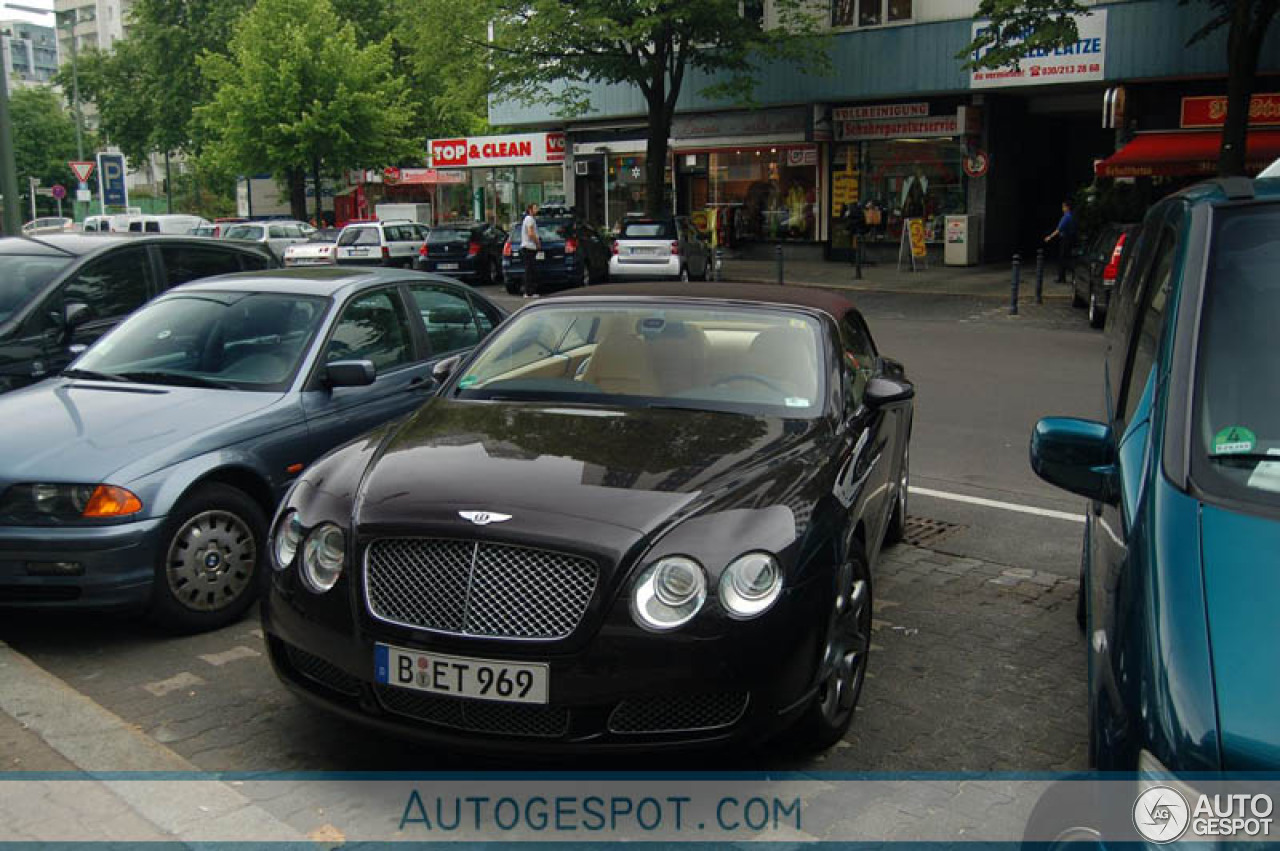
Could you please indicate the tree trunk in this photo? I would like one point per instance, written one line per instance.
(655, 166)
(297, 180)
(168, 184)
(315, 182)
(1244, 43)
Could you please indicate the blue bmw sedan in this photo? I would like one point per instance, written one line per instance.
(144, 475)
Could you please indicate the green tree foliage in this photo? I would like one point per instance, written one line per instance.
(298, 94)
(553, 50)
(44, 138)
(1018, 27)
(446, 60)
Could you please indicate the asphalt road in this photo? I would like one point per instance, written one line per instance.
(976, 665)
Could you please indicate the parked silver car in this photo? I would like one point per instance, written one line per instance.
(276, 236)
(660, 248)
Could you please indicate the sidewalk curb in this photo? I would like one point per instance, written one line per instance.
(96, 740)
(1025, 297)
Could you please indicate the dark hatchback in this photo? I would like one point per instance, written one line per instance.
(59, 293)
(574, 254)
(1102, 263)
(626, 522)
(468, 251)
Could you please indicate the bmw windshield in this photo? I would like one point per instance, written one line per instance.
(221, 340)
(747, 360)
(1236, 438)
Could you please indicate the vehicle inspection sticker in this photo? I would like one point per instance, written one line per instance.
(797, 402)
(1234, 440)
(468, 381)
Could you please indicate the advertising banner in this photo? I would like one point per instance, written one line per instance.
(1082, 62)
(929, 126)
(482, 151)
(1211, 111)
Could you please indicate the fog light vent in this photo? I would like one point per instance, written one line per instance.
(55, 568)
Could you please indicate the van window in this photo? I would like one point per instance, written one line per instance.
(112, 286)
(184, 263)
(22, 277)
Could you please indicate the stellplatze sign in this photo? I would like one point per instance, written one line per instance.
(1083, 61)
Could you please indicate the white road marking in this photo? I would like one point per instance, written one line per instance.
(235, 653)
(1005, 506)
(175, 683)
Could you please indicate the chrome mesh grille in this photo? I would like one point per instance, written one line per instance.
(674, 713)
(479, 716)
(477, 589)
(323, 672)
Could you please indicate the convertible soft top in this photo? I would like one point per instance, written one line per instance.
(828, 301)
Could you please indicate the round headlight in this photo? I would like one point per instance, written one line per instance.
(669, 593)
(288, 536)
(750, 585)
(322, 558)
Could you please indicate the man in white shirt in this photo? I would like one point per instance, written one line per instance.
(530, 245)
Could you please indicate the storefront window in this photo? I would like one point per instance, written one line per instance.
(453, 202)
(766, 193)
(913, 178)
(626, 183)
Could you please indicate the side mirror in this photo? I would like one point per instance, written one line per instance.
(445, 368)
(74, 314)
(1078, 456)
(888, 391)
(350, 373)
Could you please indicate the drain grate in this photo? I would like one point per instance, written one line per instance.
(925, 532)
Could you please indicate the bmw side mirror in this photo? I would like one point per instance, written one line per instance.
(74, 314)
(888, 391)
(445, 368)
(1078, 456)
(350, 373)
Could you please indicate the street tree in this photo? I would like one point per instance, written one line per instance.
(447, 62)
(44, 136)
(299, 95)
(1018, 27)
(552, 51)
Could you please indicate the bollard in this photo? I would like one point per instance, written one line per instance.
(1017, 279)
(857, 258)
(718, 269)
(1039, 276)
(777, 251)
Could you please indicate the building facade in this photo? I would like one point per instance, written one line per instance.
(903, 131)
(90, 24)
(31, 51)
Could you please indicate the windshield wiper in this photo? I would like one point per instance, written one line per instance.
(93, 376)
(177, 379)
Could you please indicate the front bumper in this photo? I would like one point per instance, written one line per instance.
(623, 690)
(620, 268)
(116, 565)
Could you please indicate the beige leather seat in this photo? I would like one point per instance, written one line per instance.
(786, 357)
(622, 362)
(679, 354)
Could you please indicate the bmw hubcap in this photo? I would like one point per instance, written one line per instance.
(846, 652)
(211, 561)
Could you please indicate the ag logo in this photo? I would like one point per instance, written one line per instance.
(484, 518)
(1161, 814)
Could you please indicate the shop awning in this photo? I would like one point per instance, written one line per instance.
(1184, 153)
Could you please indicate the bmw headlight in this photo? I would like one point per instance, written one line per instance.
(669, 593)
(288, 537)
(44, 502)
(322, 558)
(750, 585)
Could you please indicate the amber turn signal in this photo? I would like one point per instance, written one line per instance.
(111, 501)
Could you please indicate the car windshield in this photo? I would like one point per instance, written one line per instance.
(244, 341)
(648, 230)
(328, 235)
(448, 234)
(22, 277)
(244, 232)
(761, 361)
(1237, 418)
(359, 236)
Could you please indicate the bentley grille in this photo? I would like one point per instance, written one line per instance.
(477, 589)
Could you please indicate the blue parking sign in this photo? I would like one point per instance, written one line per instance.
(111, 184)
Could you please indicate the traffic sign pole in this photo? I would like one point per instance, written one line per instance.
(8, 171)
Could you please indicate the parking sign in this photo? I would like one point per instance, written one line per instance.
(111, 184)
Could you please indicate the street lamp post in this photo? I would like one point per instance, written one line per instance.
(68, 18)
(8, 171)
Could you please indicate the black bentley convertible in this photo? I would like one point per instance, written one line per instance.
(627, 521)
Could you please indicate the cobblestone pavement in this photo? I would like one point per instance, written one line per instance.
(975, 666)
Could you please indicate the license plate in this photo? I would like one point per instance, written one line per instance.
(541, 255)
(461, 676)
(445, 267)
(360, 252)
(644, 251)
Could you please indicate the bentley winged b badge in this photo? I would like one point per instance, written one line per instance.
(484, 518)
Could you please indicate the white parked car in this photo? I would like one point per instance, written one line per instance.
(318, 250)
(48, 224)
(389, 243)
(167, 223)
(659, 248)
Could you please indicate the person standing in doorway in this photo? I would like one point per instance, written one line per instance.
(1065, 233)
(530, 245)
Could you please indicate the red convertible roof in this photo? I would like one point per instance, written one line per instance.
(831, 302)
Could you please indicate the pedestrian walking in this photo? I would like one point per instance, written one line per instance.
(530, 245)
(1065, 233)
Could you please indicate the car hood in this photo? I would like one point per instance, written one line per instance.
(1242, 596)
(83, 431)
(634, 469)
